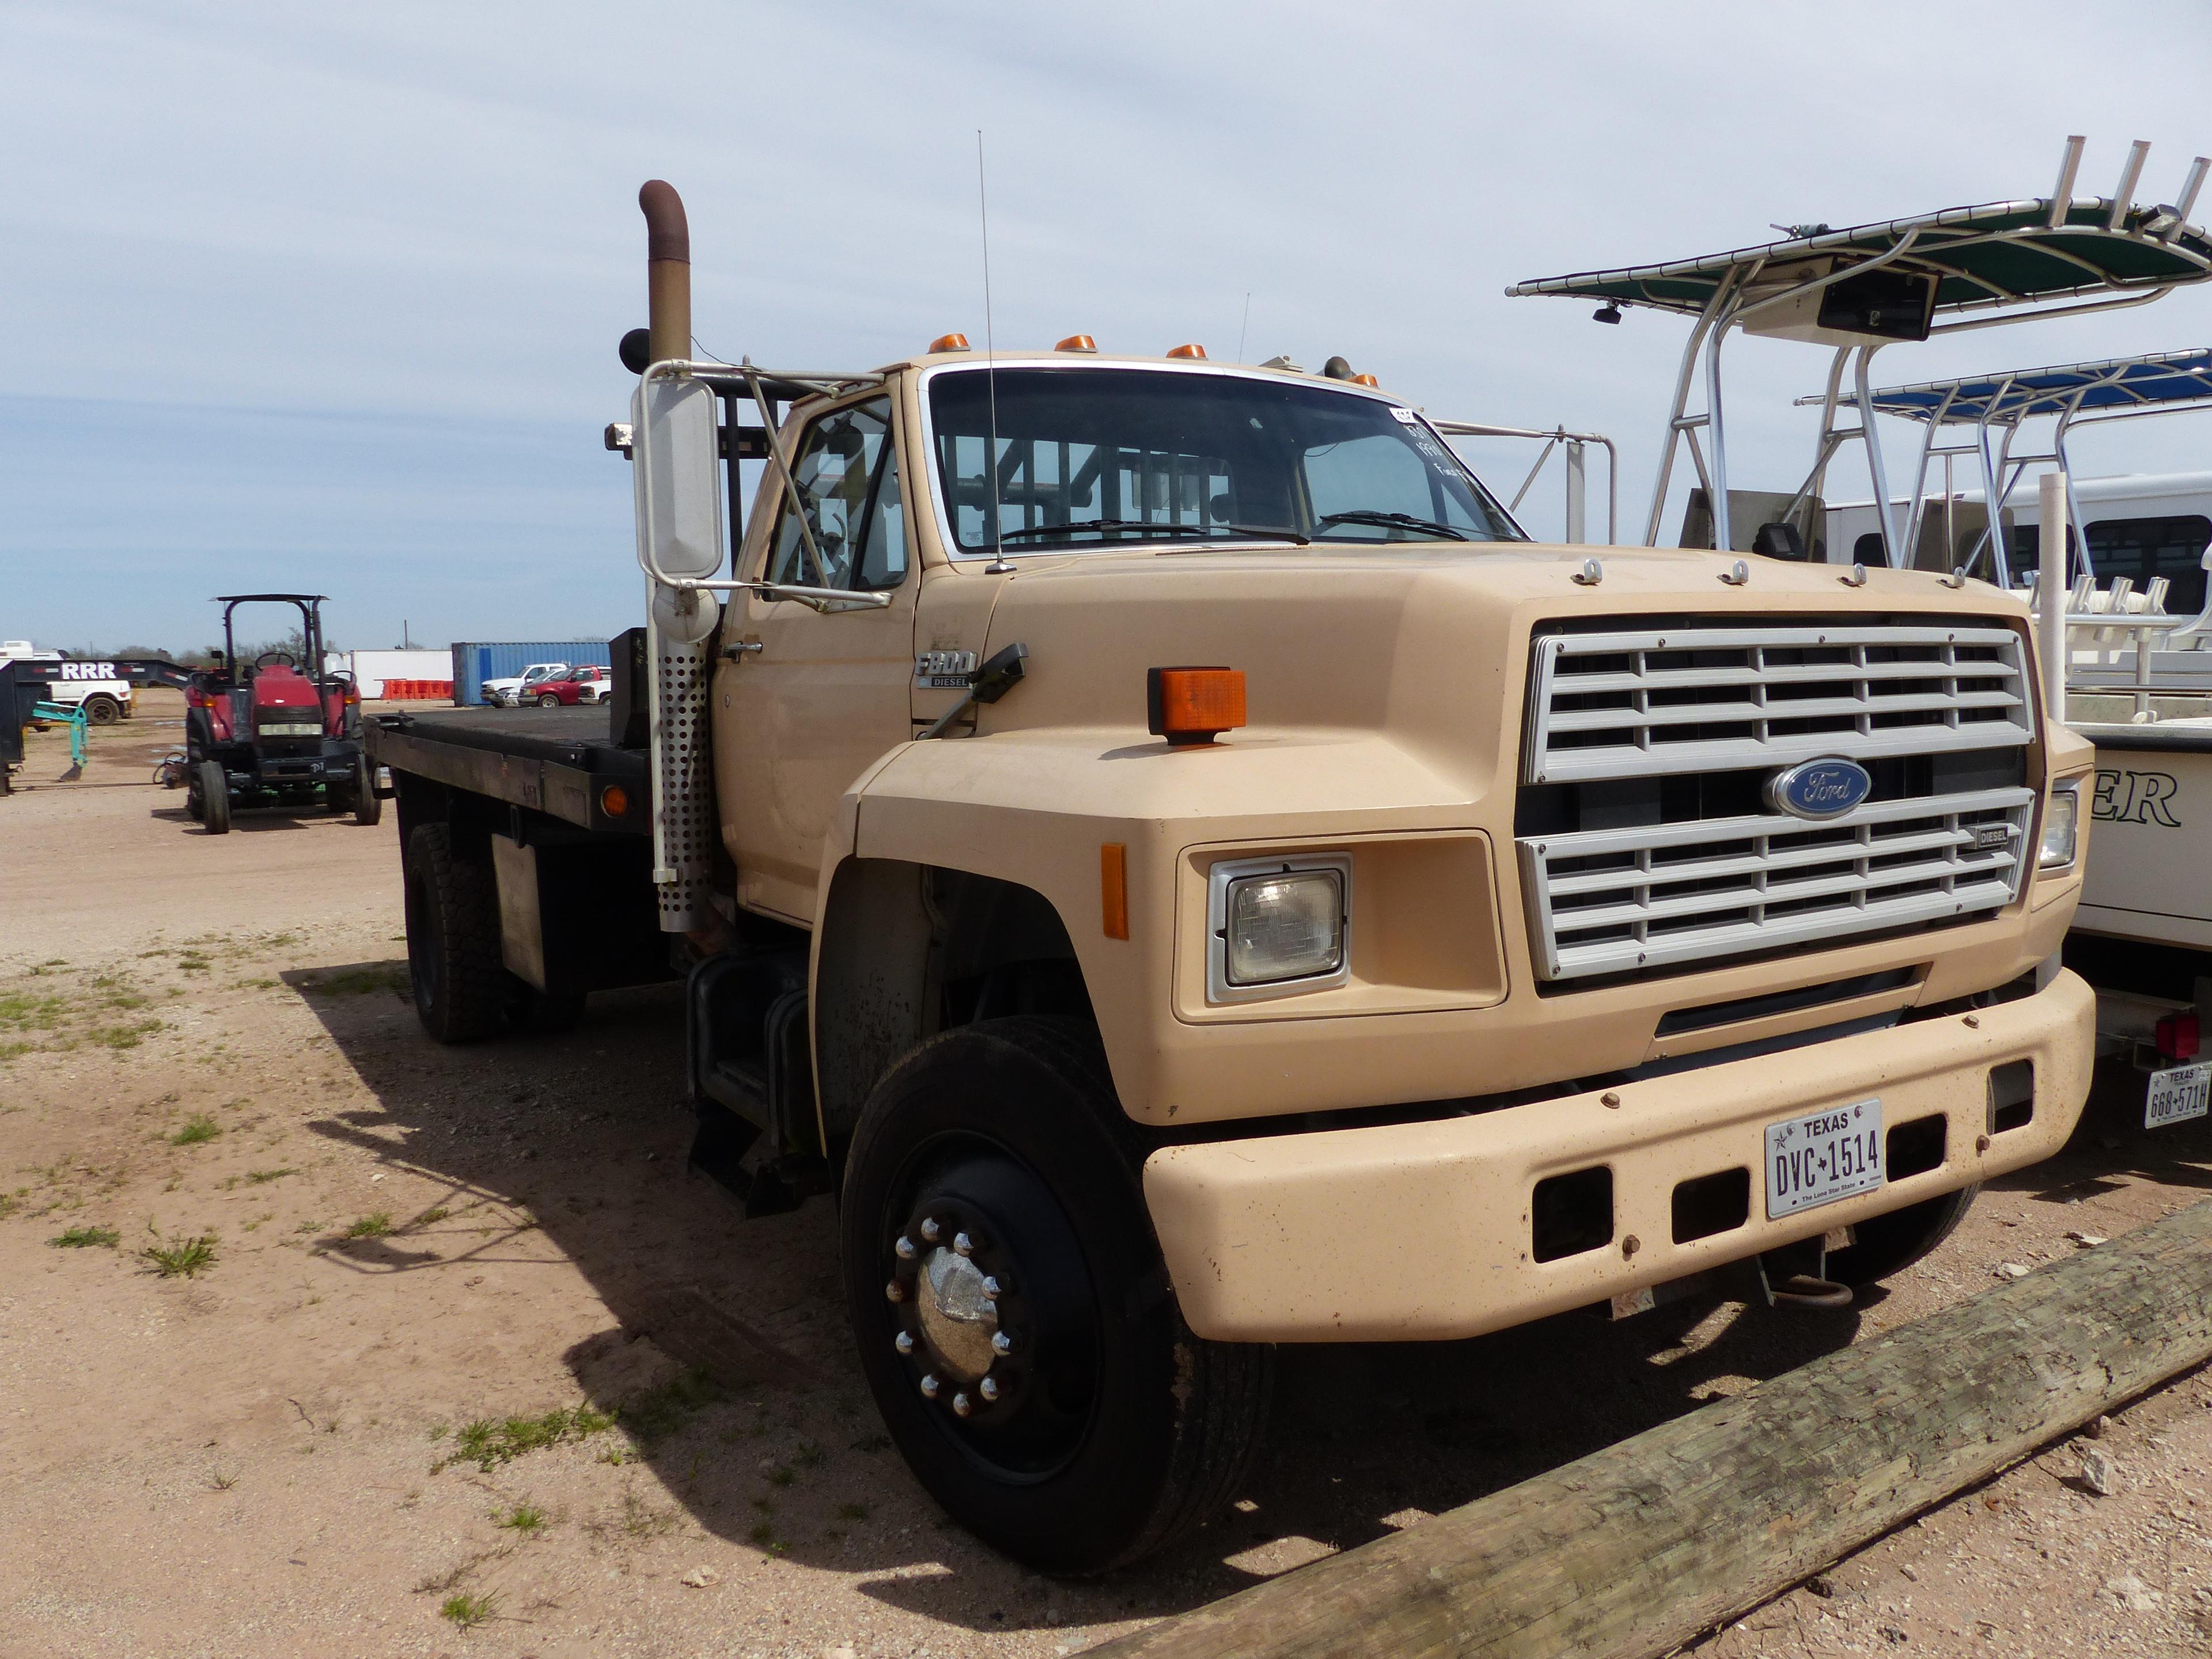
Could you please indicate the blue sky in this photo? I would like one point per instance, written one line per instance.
(329, 298)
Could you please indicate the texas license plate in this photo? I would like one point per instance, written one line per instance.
(1822, 1157)
(2177, 1094)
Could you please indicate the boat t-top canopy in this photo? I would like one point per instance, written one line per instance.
(2120, 388)
(2152, 384)
(1860, 289)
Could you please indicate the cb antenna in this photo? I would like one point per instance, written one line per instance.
(997, 566)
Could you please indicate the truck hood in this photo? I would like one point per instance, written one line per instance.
(1426, 641)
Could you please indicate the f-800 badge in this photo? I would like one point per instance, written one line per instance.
(944, 671)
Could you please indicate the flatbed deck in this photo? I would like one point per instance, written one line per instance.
(557, 761)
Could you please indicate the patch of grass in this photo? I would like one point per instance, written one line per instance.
(488, 1441)
(782, 1475)
(659, 1412)
(468, 1610)
(192, 962)
(763, 1535)
(84, 1238)
(25, 1012)
(253, 985)
(525, 1518)
(855, 1511)
(262, 1177)
(429, 1217)
(198, 1127)
(182, 1257)
(375, 1224)
(357, 982)
(220, 1481)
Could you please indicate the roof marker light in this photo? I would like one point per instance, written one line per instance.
(1193, 705)
(1365, 380)
(1077, 343)
(948, 343)
(1198, 351)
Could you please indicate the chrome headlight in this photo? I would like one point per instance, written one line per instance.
(1277, 925)
(2062, 827)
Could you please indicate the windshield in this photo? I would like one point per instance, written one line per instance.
(1103, 457)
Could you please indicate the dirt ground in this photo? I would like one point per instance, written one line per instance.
(450, 1357)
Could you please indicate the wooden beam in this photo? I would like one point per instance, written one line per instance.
(1634, 1549)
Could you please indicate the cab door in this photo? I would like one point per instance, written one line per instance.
(806, 697)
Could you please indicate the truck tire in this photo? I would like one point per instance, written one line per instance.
(215, 798)
(1888, 1244)
(102, 711)
(452, 939)
(549, 701)
(1105, 1430)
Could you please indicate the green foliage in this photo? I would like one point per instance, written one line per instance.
(375, 1224)
(80, 1238)
(467, 1610)
(523, 1518)
(488, 1441)
(181, 1257)
(198, 1127)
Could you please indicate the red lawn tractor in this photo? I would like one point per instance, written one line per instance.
(274, 731)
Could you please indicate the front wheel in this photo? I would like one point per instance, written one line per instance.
(368, 804)
(215, 798)
(1888, 1244)
(549, 701)
(1013, 1314)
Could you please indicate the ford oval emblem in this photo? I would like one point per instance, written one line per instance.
(1819, 789)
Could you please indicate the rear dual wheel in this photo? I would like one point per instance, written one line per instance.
(1014, 1316)
(462, 988)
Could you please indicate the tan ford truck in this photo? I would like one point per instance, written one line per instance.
(1159, 843)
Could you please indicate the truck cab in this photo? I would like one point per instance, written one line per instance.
(1157, 840)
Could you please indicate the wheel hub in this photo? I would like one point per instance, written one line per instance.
(957, 1311)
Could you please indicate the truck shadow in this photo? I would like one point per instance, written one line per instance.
(578, 1141)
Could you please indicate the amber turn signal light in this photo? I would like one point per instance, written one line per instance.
(614, 801)
(1194, 705)
(1365, 380)
(1077, 343)
(1114, 888)
(1189, 352)
(949, 343)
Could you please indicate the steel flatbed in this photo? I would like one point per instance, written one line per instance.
(561, 762)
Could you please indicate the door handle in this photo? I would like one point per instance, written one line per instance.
(737, 652)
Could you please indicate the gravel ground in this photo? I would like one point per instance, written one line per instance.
(474, 1368)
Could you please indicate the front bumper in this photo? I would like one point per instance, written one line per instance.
(1423, 1230)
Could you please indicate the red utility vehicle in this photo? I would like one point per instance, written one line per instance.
(275, 732)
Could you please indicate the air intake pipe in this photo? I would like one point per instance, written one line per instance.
(667, 270)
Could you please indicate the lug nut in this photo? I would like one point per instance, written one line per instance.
(963, 1245)
(894, 1292)
(991, 1288)
(988, 1388)
(903, 1249)
(903, 1341)
(1001, 1343)
(929, 1388)
(929, 1228)
(960, 1406)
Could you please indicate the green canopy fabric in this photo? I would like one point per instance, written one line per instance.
(1999, 254)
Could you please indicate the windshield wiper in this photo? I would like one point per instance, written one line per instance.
(1268, 532)
(1390, 520)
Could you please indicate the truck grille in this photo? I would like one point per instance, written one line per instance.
(1644, 839)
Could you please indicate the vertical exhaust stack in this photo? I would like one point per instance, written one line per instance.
(667, 270)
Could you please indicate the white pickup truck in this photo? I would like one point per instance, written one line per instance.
(99, 687)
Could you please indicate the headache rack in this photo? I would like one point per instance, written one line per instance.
(1617, 882)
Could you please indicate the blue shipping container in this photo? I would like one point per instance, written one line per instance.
(474, 662)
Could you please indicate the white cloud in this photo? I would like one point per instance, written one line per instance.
(419, 222)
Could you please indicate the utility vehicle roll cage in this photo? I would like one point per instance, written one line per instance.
(1981, 267)
(2075, 394)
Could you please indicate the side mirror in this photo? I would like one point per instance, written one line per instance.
(678, 498)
